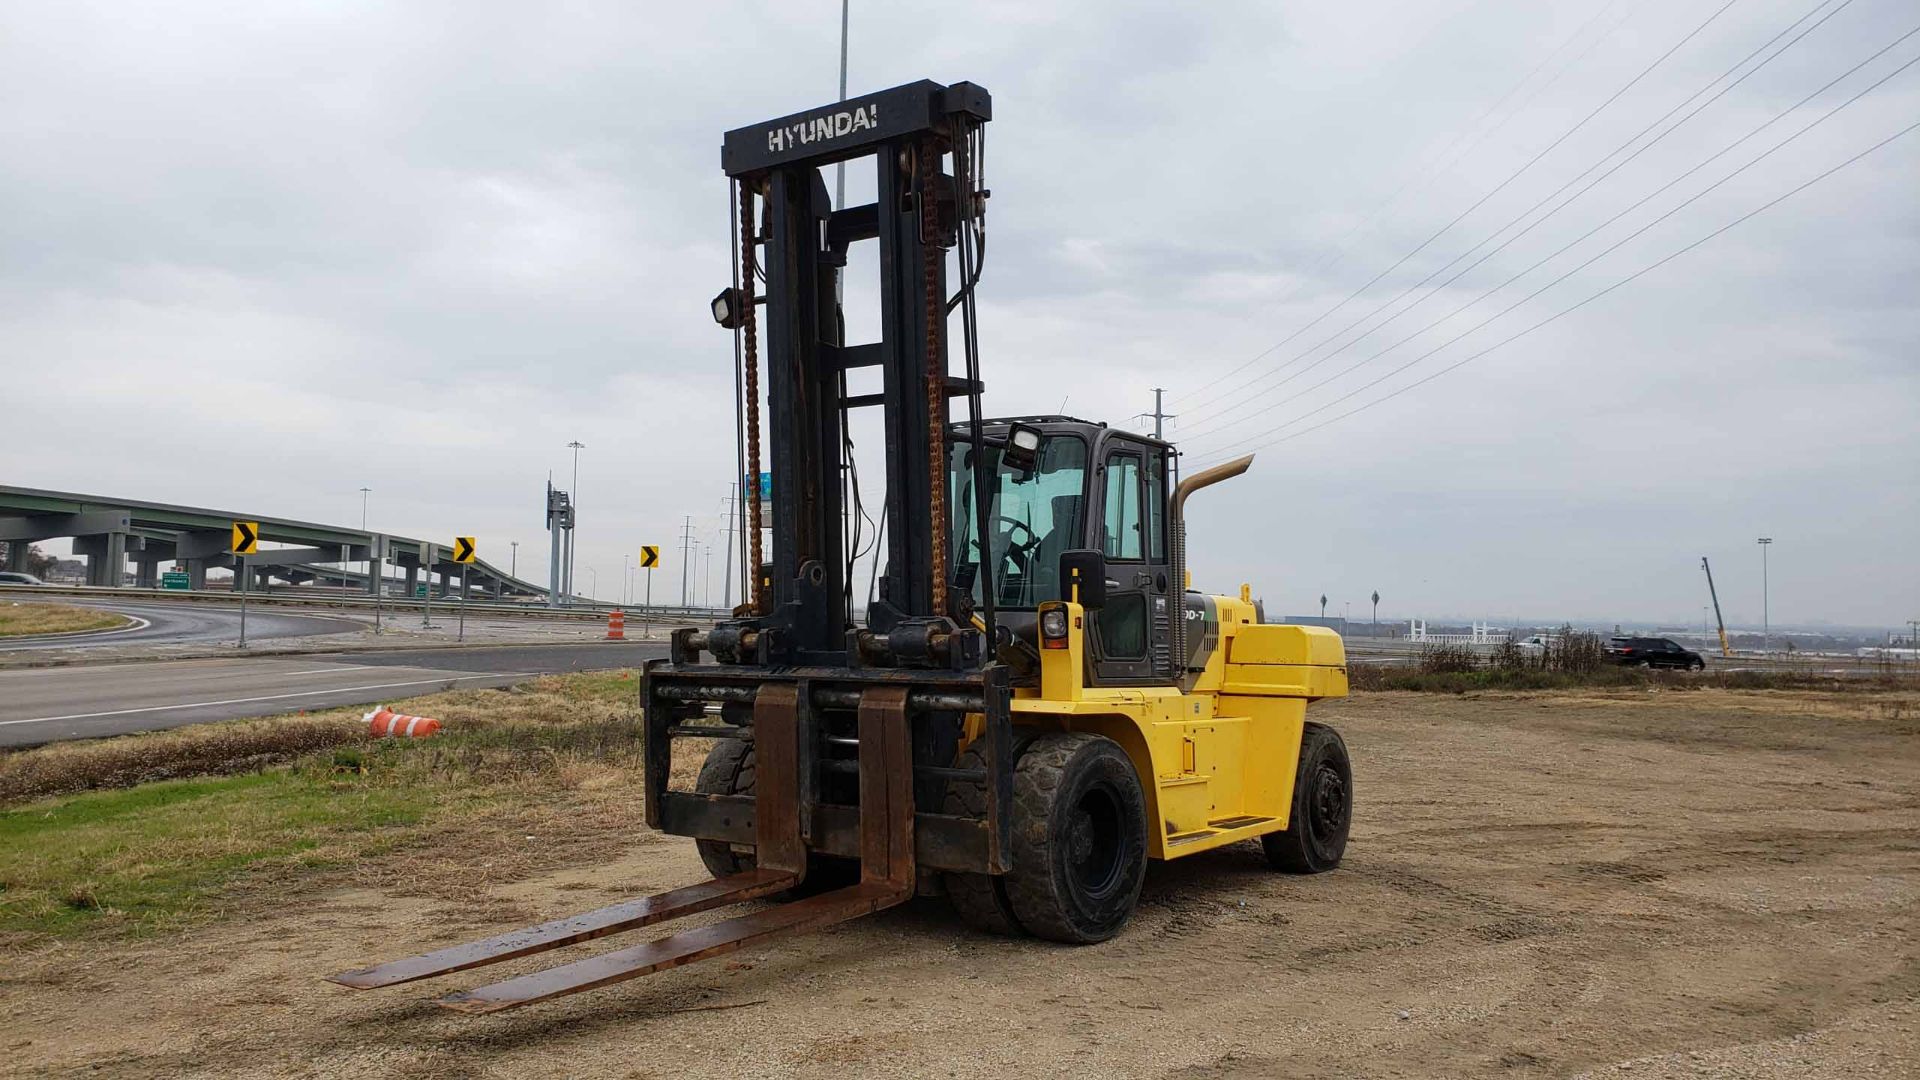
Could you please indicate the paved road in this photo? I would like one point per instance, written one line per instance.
(41, 705)
(178, 623)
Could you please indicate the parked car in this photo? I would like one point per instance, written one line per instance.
(14, 577)
(1536, 643)
(1654, 652)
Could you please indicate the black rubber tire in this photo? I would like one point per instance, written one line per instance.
(728, 770)
(1079, 839)
(980, 899)
(1322, 814)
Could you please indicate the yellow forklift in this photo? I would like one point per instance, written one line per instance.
(1034, 705)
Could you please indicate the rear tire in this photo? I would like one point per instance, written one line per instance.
(728, 770)
(1316, 835)
(981, 899)
(1079, 839)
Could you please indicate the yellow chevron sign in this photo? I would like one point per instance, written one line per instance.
(463, 549)
(649, 556)
(246, 537)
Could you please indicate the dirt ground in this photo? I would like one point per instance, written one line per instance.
(1610, 885)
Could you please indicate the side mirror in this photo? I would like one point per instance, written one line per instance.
(1084, 572)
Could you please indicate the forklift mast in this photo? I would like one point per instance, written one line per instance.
(792, 237)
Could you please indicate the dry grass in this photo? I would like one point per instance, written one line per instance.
(18, 619)
(168, 828)
(243, 746)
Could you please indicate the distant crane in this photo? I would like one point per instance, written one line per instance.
(1725, 649)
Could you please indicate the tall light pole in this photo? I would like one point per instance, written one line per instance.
(1766, 619)
(363, 528)
(573, 497)
(626, 577)
(513, 568)
(1376, 613)
(593, 584)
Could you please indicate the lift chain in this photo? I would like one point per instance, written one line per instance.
(749, 324)
(931, 244)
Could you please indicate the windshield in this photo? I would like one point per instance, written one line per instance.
(1032, 519)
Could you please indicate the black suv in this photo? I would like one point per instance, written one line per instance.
(1653, 652)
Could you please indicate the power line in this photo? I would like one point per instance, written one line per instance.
(1603, 292)
(1497, 188)
(1610, 249)
(1425, 174)
(1221, 424)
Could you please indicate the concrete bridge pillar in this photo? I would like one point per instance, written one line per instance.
(106, 555)
(413, 580)
(146, 573)
(17, 556)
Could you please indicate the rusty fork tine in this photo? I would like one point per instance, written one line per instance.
(685, 947)
(644, 911)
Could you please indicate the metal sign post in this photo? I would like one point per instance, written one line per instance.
(649, 558)
(426, 568)
(465, 552)
(246, 541)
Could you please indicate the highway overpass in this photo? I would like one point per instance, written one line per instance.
(111, 533)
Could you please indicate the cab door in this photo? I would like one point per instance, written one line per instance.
(1132, 632)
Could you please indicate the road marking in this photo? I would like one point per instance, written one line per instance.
(271, 697)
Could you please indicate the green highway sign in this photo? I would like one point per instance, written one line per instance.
(173, 579)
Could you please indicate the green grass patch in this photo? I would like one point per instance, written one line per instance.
(288, 795)
(148, 857)
(18, 619)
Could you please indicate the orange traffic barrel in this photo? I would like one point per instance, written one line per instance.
(383, 723)
(617, 626)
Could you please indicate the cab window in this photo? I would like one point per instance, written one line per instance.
(1121, 527)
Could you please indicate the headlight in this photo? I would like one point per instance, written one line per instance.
(1053, 628)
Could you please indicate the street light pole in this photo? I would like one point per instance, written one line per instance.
(363, 508)
(513, 568)
(626, 578)
(1766, 618)
(573, 515)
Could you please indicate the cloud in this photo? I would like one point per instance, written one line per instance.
(261, 259)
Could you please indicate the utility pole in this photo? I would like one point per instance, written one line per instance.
(706, 574)
(1160, 415)
(727, 586)
(1766, 619)
(686, 559)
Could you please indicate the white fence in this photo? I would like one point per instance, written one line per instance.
(1482, 635)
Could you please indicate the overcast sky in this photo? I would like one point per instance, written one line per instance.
(257, 256)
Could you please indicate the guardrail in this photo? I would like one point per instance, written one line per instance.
(598, 612)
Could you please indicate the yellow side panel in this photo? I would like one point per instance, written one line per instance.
(1270, 643)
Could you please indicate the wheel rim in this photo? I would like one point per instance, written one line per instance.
(1328, 808)
(1093, 842)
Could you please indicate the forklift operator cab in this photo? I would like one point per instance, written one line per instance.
(1086, 487)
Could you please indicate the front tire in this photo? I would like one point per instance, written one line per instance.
(1316, 835)
(1079, 839)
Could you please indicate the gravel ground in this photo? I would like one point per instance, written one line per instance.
(1627, 885)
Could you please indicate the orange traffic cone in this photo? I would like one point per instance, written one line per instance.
(383, 722)
(617, 626)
